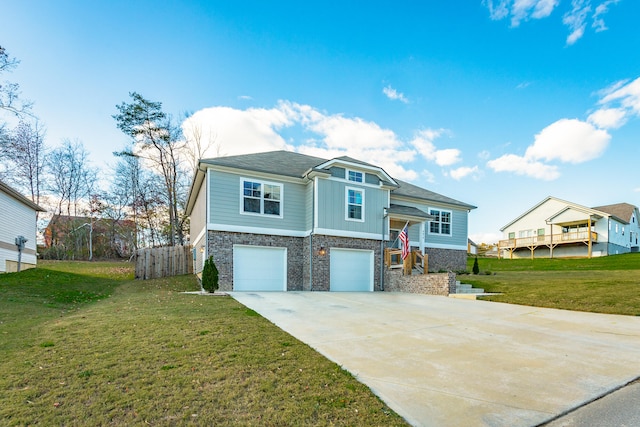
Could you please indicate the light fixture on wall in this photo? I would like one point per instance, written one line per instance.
(201, 249)
(322, 251)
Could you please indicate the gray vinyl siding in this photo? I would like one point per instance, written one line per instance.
(459, 224)
(338, 172)
(370, 178)
(459, 229)
(332, 205)
(226, 196)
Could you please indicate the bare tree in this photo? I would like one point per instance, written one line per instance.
(198, 142)
(10, 92)
(22, 157)
(158, 140)
(136, 194)
(72, 178)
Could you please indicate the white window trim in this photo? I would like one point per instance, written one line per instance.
(354, 171)
(450, 234)
(262, 183)
(346, 203)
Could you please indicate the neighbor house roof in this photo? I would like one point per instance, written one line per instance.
(619, 211)
(19, 197)
(622, 211)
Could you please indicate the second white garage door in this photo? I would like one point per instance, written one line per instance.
(259, 268)
(351, 270)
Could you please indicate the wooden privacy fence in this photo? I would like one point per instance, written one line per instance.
(153, 263)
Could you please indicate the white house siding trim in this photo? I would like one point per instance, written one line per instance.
(345, 233)
(443, 246)
(256, 230)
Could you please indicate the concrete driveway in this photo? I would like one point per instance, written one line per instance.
(446, 362)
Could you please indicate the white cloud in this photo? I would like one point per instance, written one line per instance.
(241, 131)
(520, 10)
(619, 102)
(569, 141)
(463, 172)
(484, 155)
(626, 94)
(576, 18)
(423, 142)
(523, 166)
(598, 23)
(428, 176)
(393, 94)
(324, 135)
(608, 118)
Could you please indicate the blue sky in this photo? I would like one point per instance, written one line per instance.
(495, 103)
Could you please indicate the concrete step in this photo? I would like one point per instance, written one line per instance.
(463, 288)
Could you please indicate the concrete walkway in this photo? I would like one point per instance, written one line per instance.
(446, 362)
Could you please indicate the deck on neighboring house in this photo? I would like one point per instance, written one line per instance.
(550, 241)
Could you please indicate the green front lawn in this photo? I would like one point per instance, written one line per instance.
(602, 285)
(84, 344)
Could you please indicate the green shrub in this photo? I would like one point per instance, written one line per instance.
(210, 275)
(476, 269)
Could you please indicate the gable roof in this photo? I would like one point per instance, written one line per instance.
(296, 165)
(607, 211)
(622, 211)
(19, 197)
(287, 163)
(413, 191)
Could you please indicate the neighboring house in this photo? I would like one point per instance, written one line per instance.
(472, 248)
(557, 228)
(17, 218)
(287, 221)
(109, 237)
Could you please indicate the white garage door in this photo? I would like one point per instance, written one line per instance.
(351, 270)
(259, 268)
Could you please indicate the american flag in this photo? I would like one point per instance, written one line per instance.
(404, 239)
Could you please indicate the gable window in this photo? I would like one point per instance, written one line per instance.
(442, 222)
(355, 176)
(355, 204)
(262, 198)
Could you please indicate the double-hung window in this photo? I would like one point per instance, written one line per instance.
(441, 224)
(261, 198)
(354, 204)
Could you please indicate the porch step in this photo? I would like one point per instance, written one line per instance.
(463, 288)
(465, 291)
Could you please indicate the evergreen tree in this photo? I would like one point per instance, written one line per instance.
(210, 275)
(476, 269)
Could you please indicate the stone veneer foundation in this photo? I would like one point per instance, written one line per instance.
(430, 284)
(441, 260)
(304, 256)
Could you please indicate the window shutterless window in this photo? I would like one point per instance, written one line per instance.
(354, 204)
(355, 176)
(441, 224)
(261, 198)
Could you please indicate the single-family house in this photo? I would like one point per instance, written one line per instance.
(557, 228)
(17, 230)
(288, 221)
